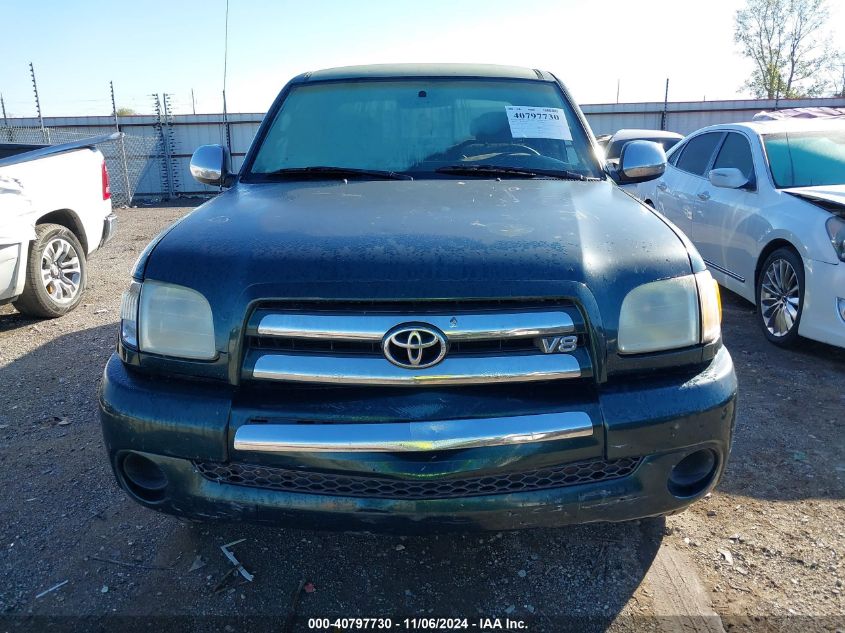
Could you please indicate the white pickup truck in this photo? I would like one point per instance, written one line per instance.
(55, 210)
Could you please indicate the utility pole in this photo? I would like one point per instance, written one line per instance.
(193, 102)
(124, 162)
(618, 82)
(665, 106)
(38, 104)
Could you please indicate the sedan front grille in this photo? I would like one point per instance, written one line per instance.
(287, 480)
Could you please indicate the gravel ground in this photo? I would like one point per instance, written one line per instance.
(767, 546)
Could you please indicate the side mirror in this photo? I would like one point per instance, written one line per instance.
(211, 165)
(641, 161)
(727, 177)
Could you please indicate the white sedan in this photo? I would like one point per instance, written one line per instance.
(764, 203)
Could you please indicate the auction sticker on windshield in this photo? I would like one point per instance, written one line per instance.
(534, 122)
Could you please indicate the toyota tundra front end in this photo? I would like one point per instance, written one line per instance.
(421, 304)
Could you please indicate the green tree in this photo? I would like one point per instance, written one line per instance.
(125, 111)
(789, 43)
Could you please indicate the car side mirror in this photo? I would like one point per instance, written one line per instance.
(727, 177)
(641, 161)
(211, 165)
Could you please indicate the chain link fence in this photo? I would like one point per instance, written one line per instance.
(127, 158)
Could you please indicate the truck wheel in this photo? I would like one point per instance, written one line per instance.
(55, 273)
(780, 297)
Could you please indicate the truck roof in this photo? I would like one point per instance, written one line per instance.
(426, 70)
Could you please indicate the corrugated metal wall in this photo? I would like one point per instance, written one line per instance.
(687, 116)
(191, 131)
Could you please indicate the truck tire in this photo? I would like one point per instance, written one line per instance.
(56, 273)
(780, 297)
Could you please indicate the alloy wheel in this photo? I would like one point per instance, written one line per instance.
(61, 272)
(780, 297)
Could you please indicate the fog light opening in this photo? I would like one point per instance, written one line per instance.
(143, 477)
(693, 474)
(840, 306)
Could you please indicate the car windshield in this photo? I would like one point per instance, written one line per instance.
(425, 128)
(614, 149)
(806, 159)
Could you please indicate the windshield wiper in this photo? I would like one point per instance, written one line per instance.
(562, 174)
(342, 172)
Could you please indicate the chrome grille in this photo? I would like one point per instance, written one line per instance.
(373, 348)
(341, 344)
(287, 480)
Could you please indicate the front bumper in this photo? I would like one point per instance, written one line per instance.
(821, 319)
(659, 421)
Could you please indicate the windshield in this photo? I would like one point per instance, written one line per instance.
(614, 150)
(806, 159)
(419, 126)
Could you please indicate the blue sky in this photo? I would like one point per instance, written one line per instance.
(158, 46)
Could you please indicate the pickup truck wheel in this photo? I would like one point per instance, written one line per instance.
(55, 273)
(780, 297)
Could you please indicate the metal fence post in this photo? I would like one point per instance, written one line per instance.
(170, 143)
(164, 158)
(5, 119)
(44, 133)
(122, 148)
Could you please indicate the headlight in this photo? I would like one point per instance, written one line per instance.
(836, 230)
(710, 304)
(129, 315)
(670, 314)
(167, 319)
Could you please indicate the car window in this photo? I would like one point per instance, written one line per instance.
(806, 159)
(736, 152)
(696, 155)
(667, 143)
(673, 157)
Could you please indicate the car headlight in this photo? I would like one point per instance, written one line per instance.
(670, 314)
(836, 231)
(710, 304)
(167, 319)
(129, 315)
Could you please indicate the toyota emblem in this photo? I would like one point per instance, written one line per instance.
(414, 346)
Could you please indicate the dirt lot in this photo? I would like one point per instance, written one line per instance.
(765, 551)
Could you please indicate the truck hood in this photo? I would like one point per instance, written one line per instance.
(420, 239)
